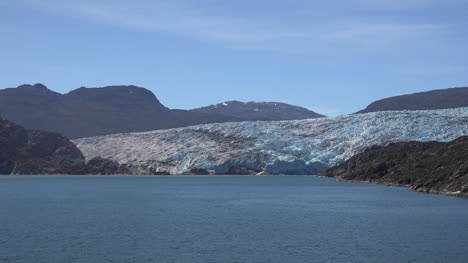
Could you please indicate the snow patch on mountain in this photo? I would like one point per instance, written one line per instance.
(280, 147)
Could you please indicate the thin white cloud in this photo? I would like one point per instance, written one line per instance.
(385, 32)
(183, 19)
(407, 4)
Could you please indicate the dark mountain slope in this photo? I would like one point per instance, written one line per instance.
(430, 167)
(270, 111)
(31, 106)
(89, 112)
(40, 152)
(430, 100)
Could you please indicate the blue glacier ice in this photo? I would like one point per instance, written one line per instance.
(281, 147)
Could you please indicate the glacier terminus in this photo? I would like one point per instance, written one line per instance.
(299, 147)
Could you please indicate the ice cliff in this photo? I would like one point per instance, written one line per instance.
(282, 147)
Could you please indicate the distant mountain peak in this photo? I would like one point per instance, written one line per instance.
(87, 112)
(123, 94)
(429, 100)
(259, 110)
(37, 86)
(115, 88)
(35, 90)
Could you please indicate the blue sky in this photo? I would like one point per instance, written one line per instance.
(331, 56)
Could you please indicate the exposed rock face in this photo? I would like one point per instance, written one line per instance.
(430, 167)
(40, 152)
(86, 112)
(11, 138)
(283, 147)
(431, 100)
(46, 153)
(254, 111)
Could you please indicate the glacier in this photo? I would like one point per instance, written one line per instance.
(272, 147)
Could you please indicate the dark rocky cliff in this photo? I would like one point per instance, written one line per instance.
(430, 100)
(429, 167)
(41, 152)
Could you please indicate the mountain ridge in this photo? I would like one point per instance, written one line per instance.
(269, 111)
(87, 112)
(42, 152)
(426, 100)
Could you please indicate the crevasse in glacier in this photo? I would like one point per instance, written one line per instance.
(282, 147)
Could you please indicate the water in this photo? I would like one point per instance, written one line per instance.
(225, 219)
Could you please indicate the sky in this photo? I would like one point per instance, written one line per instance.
(332, 56)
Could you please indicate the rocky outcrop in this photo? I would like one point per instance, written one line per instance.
(95, 166)
(429, 167)
(12, 137)
(298, 147)
(45, 153)
(253, 111)
(430, 100)
(41, 152)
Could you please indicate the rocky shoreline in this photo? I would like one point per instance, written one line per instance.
(408, 186)
(426, 167)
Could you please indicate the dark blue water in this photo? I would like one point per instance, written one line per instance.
(225, 219)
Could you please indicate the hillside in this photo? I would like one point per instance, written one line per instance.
(430, 100)
(430, 167)
(285, 147)
(40, 152)
(270, 111)
(88, 112)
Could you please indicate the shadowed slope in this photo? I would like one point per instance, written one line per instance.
(94, 111)
(431, 167)
(41, 152)
(272, 111)
(430, 100)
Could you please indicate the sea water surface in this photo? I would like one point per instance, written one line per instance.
(225, 219)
